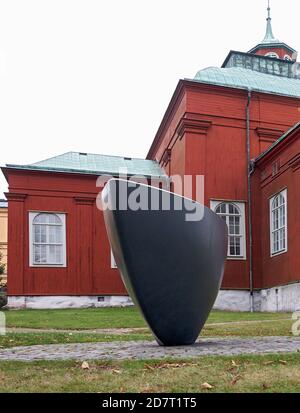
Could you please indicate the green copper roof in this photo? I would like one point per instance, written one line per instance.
(240, 78)
(88, 163)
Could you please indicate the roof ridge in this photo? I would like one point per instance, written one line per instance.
(248, 79)
(95, 164)
(48, 159)
(244, 69)
(90, 153)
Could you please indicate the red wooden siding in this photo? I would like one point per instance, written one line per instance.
(280, 51)
(203, 133)
(88, 270)
(283, 268)
(206, 133)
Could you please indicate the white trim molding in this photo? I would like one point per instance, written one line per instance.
(49, 235)
(278, 207)
(233, 212)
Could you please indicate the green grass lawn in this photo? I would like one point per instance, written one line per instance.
(270, 373)
(85, 318)
(31, 339)
(94, 318)
(237, 324)
(278, 328)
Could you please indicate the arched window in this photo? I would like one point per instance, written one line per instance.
(47, 239)
(272, 54)
(278, 223)
(287, 57)
(233, 215)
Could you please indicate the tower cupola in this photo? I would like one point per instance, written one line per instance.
(272, 47)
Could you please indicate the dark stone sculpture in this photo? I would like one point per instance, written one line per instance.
(172, 267)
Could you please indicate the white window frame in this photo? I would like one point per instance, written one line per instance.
(62, 217)
(287, 57)
(241, 207)
(113, 263)
(274, 253)
(272, 54)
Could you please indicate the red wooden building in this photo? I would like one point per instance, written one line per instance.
(220, 125)
(58, 251)
(238, 127)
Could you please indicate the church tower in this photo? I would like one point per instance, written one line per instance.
(272, 47)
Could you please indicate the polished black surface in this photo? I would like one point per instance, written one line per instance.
(172, 267)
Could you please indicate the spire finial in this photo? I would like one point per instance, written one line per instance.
(269, 11)
(269, 37)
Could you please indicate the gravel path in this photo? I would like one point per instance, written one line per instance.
(150, 350)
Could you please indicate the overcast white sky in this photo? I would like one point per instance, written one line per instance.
(96, 76)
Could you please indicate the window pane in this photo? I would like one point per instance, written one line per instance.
(39, 234)
(234, 225)
(43, 254)
(282, 216)
(43, 230)
(40, 254)
(275, 241)
(275, 219)
(37, 254)
(47, 219)
(238, 246)
(54, 219)
(231, 226)
(282, 239)
(281, 200)
(221, 209)
(51, 254)
(58, 254)
(235, 246)
(55, 234)
(231, 247)
(54, 254)
(237, 225)
(233, 209)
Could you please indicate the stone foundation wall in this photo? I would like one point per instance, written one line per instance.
(277, 299)
(48, 302)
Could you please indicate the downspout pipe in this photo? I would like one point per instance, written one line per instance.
(249, 171)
